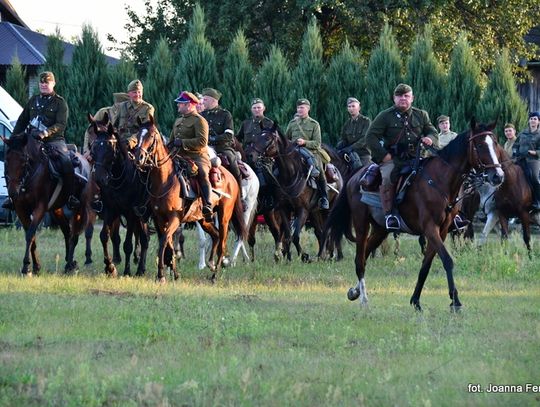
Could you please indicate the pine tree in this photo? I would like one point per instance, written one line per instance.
(501, 100)
(238, 79)
(383, 73)
(15, 81)
(308, 76)
(426, 75)
(197, 65)
(55, 61)
(86, 90)
(345, 78)
(120, 75)
(273, 85)
(158, 86)
(464, 85)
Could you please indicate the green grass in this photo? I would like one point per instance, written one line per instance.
(268, 334)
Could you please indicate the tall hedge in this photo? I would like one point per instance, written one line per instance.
(16, 82)
(55, 61)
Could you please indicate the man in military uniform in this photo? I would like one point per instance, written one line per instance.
(445, 135)
(221, 130)
(393, 138)
(251, 127)
(352, 145)
(129, 111)
(190, 137)
(306, 133)
(45, 115)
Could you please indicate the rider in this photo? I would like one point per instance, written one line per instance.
(46, 116)
(306, 133)
(393, 138)
(190, 136)
(527, 149)
(353, 137)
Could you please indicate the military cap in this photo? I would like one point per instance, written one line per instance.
(257, 100)
(352, 100)
(401, 89)
(135, 85)
(187, 97)
(534, 114)
(120, 97)
(213, 93)
(302, 102)
(442, 118)
(46, 76)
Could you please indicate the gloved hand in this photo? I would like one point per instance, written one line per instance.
(177, 142)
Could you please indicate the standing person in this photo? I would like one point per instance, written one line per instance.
(353, 137)
(129, 111)
(46, 116)
(445, 135)
(251, 127)
(510, 134)
(527, 150)
(190, 137)
(306, 134)
(393, 138)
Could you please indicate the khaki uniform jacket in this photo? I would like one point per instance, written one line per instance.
(219, 120)
(192, 129)
(125, 119)
(353, 135)
(445, 138)
(309, 130)
(509, 145)
(52, 110)
(251, 128)
(388, 128)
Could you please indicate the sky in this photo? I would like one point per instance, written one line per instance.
(105, 16)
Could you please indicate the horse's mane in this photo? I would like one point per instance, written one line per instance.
(17, 142)
(457, 146)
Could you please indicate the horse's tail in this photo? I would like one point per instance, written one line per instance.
(237, 219)
(338, 222)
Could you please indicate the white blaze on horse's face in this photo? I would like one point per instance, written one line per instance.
(491, 148)
(144, 132)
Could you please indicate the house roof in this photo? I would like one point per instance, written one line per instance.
(30, 46)
(8, 13)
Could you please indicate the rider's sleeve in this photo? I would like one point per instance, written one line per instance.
(315, 141)
(61, 119)
(201, 136)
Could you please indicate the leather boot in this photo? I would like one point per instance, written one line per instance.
(535, 189)
(321, 186)
(207, 205)
(388, 194)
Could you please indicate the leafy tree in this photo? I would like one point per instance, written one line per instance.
(157, 88)
(15, 81)
(345, 77)
(273, 84)
(308, 76)
(501, 100)
(86, 89)
(120, 75)
(238, 79)
(197, 67)
(383, 73)
(426, 76)
(55, 61)
(464, 85)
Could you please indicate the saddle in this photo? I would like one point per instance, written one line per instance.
(244, 173)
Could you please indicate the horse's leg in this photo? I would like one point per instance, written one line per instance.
(490, 223)
(78, 222)
(202, 246)
(116, 240)
(128, 245)
(503, 221)
(273, 226)
(209, 228)
(166, 248)
(30, 230)
(526, 231)
(179, 242)
(88, 234)
(104, 235)
(252, 237)
(142, 228)
(359, 291)
(299, 223)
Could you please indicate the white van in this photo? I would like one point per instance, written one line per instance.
(10, 111)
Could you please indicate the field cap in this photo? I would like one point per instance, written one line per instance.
(256, 100)
(442, 118)
(303, 101)
(135, 85)
(352, 100)
(533, 114)
(213, 93)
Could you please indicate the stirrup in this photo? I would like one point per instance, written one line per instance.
(323, 203)
(460, 223)
(73, 202)
(8, 204)
(207, 213)
(392, 222)
(97, 206)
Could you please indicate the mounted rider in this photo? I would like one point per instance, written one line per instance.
(352, 146)
(45, 117)
(189, 137)
(306, 134)
(393, 138)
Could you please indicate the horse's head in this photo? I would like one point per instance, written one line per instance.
(148, 141)
(265, 145)
(104, 151)
(16, 163)
(482, 152)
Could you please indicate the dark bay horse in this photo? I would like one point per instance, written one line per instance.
(123, 194)
(427, 208)
(170, 208)
(294, 198)
(34, 192)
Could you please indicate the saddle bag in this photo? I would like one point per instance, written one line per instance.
(371, 179)
(331, 173)
(224, 160)
(215, 176)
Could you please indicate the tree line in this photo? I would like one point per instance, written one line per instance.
(455, 85)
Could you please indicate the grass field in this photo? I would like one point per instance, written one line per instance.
(270, 335)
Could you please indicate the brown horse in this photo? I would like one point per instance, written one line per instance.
(427, 209)
(30, 186)
(170, 208)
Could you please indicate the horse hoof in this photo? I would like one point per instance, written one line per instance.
(455, 308)
(225, 262)
(305, 258)
(27, 275)
(416, 306)
(353, 294)
(88, 262)
(161, 280)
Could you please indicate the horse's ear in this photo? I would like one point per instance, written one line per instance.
(275, 126)
(493, 124)
(473, 123)
(106, 117)
(152, 120)
(110, 128)
(90, 118)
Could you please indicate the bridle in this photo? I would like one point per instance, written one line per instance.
(148, 157)
(474, 156)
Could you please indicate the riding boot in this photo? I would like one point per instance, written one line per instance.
(323, 195)
(536, 197)
(310, 161)
(207, 205)
(70, 184)
(8, 204)
(388, 193)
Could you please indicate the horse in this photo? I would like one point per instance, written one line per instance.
(30, 184)
(294, 195)
(512, 199)
(427, 209)
(171, 208)
(123, 194)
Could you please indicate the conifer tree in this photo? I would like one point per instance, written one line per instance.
(197, 62)
(383, 73)
(86, 89)
(55, 61)
(464, 85)
(238, 79)
(273, 85)
(15, 81)
(345, 78)
(159, 88)
(120, 75)
(308, 76)
(426, 75)
(501, 100)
